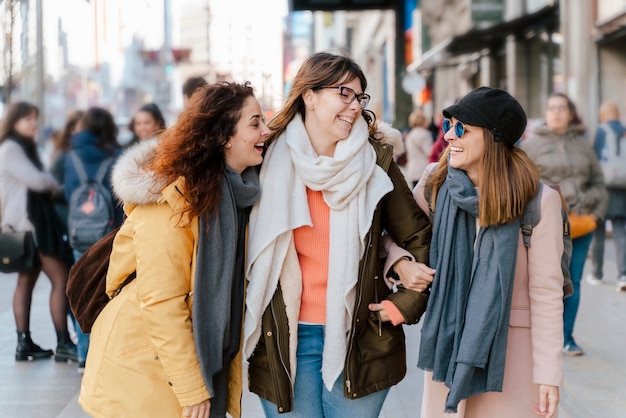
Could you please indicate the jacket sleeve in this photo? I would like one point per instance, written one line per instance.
(394, 252)
(18, 166)
(164, 253)
(545, 282)
(595, 196)
(410, 228)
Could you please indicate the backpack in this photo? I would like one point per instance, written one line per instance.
(91, 211)
(530, 219)
(613, 158)
(86, 284)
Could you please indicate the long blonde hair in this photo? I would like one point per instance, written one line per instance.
(508, 179)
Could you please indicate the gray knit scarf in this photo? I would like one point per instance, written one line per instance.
(218, 291)
(466, 324)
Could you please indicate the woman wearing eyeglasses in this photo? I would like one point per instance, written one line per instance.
(565, 157)
(317, 330)
(491, 337)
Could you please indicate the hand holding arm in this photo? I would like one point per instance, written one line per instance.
(413, 275)
(548, 401)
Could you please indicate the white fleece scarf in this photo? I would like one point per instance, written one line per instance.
(352, 184)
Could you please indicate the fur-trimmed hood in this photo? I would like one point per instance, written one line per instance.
(132, 184)
(387, 134)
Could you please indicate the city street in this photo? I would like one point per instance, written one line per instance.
(595, 383)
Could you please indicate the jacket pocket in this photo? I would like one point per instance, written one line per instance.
(137, 348)
(379, 340)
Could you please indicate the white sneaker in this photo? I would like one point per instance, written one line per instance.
(621, 284)
(593, 280)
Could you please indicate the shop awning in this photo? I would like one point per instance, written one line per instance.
(491, 37)
(611, 29)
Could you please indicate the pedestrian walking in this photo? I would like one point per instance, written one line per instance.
(27, 193)
(318, 334)
(167, 345)
(565, 157)
(492, 334)
(94, 149)
(608, 138)
(418, 144)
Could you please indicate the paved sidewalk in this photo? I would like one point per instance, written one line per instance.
(595, 384)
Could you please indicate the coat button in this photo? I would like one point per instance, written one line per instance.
(170, 383)
(156, 357)
(269, 333)
(281, 409)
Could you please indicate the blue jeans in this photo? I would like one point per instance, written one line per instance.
(311, 398)
(597, 248)
(580, 247)
(82, 345)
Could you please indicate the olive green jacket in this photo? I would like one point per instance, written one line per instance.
(376, 357)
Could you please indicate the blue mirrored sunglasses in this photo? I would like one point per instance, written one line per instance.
(459, 128)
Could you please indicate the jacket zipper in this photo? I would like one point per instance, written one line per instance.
(280, 353)
(358, 303)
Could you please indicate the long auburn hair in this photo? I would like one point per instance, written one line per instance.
(14, 113)
(319, 69)
(508, 179)
(193, 148)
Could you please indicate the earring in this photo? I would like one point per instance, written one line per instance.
(228, 145)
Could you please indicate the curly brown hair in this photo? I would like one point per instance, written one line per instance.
(194, 147)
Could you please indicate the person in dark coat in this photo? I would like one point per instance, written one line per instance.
(95, 144)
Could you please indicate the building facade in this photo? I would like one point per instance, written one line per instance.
(530, 48)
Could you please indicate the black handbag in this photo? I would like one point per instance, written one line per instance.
(18, 252)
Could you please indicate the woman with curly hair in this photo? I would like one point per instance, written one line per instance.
(166, 345)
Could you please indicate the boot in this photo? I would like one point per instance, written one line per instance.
(66, 349)
(27, 348)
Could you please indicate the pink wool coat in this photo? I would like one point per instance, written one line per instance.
(535, 336)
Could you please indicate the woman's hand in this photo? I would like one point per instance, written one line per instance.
(413, 275)
(380, 309)
(548, 401)
(200, 410)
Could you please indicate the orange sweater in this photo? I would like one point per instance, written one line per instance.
(312, 245)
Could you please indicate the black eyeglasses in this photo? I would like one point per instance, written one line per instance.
(459, 128)
(348, 95)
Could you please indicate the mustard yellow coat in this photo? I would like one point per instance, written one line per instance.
(142, 358)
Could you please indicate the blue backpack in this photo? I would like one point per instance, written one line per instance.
(91, 211)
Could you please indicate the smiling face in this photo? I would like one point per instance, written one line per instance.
(245, 148)
(328, 119)
(27, 125)
(145, 125)
(466, 151)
